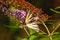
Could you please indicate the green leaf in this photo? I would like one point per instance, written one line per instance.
(55, 11)
(31, 31)
(13, 22)
(56, 33)
(45, 38)
(57, 7)
(18, 38)
(38, 22)
(24, 39)
(49, 22)
(41, 33)
(56, 37)
(12, 8)
(32, 37)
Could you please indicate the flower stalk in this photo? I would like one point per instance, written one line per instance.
(47, 30)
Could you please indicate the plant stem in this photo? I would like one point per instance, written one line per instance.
(50, 37)
(47, 30)
(46, 27)
(26, 31)
(55, 29)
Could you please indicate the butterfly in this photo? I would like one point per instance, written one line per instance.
(30, 24)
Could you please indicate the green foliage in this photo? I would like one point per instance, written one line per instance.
(54, 10)
(31, 31)
(45, 38)
(32, 37)
(12, 8)
(40, 37)
(13, 23)
(56, 36)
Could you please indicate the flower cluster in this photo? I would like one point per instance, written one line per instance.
(18, 13)
(4, 8)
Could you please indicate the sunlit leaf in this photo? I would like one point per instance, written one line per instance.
(32, 37)
(31, 31)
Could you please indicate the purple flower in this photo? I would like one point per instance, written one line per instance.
(36, 18)
(18, 13)
(23, 14)
(15, 11)
(4, 8)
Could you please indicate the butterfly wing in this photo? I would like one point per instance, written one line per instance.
(33, 26)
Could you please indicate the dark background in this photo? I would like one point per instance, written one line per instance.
(45, 4)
